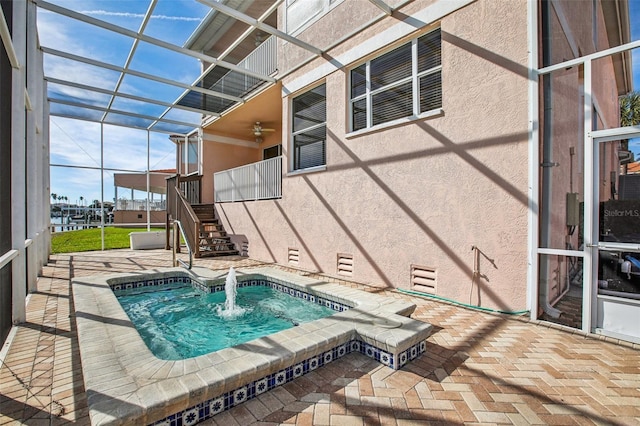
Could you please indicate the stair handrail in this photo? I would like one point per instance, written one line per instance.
(177, 225)
(193, 222)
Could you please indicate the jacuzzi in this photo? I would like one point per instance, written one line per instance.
(126, 384)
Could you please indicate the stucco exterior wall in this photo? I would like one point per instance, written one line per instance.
(138, 216)
(423, 192)
(221, 156)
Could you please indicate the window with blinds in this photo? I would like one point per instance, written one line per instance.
(309, 128)
(401, 83)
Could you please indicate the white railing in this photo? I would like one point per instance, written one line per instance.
(262, 60)
(256, 181)
(140, 205)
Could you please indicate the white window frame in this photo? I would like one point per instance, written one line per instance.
(414, 78)
(184, 150)
(292, 157)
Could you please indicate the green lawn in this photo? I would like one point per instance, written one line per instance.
(89, 239)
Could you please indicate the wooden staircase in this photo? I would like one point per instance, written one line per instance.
(203, 233)
(212, 238)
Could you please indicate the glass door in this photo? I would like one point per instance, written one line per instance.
(615, 309)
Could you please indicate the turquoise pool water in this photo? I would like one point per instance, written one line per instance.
(177, 321)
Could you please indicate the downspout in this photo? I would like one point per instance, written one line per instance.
(547, 160)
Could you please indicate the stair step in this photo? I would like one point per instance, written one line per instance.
(217, 248)
(215, 242)
(219, 253)
(210, 234)
(212, 237)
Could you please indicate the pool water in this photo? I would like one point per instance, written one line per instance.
(177, 321)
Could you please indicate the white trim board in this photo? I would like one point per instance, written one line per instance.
(426, 16)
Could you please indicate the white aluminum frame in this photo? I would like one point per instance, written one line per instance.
(591, 216)
(414, 78)
(590, 252)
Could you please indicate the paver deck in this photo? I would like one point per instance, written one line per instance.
(479, 368)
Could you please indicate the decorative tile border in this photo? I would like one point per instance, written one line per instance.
(278, 286)
(116, 286)
(228, 400)
(376, 326)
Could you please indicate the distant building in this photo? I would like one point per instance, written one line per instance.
(129, 210)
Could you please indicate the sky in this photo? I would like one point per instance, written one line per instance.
(77, 142)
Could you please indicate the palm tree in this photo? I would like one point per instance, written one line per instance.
(64, 197)
(630, 109)
(54, 196)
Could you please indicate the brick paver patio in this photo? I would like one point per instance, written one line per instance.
(479, 368)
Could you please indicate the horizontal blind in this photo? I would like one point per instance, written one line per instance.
(309, 148)
(309, 128)
(391, 67)
(392, 104)
(429, 51)
(390, 94)
(310, 108)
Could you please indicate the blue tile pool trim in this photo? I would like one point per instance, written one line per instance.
(211, 407)
(278, 286)
(151, 283)
(228, 400)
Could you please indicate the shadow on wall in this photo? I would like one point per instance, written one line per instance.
(448, 147)
(241, 243)
(462, 150)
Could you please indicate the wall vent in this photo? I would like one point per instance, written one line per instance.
(423, 278)
(294, 256)
(345, 264)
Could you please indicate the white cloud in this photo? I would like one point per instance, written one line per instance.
(137, 15)
(75, 142)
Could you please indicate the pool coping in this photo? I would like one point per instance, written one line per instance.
(125, 382)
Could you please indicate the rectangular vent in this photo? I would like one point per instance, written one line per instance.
(423, 278)
(345, 264)
(293, 256)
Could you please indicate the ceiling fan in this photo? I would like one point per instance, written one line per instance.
(258, 130)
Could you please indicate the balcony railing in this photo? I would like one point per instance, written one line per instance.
(256, 181)
(140, 205)
(262, 60)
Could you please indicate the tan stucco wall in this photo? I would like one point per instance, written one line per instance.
(221, 156)
(424, 192)
(131, 216)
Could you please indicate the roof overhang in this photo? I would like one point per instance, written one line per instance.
(616, 18)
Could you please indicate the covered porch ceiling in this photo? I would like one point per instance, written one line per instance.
(156, 183)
